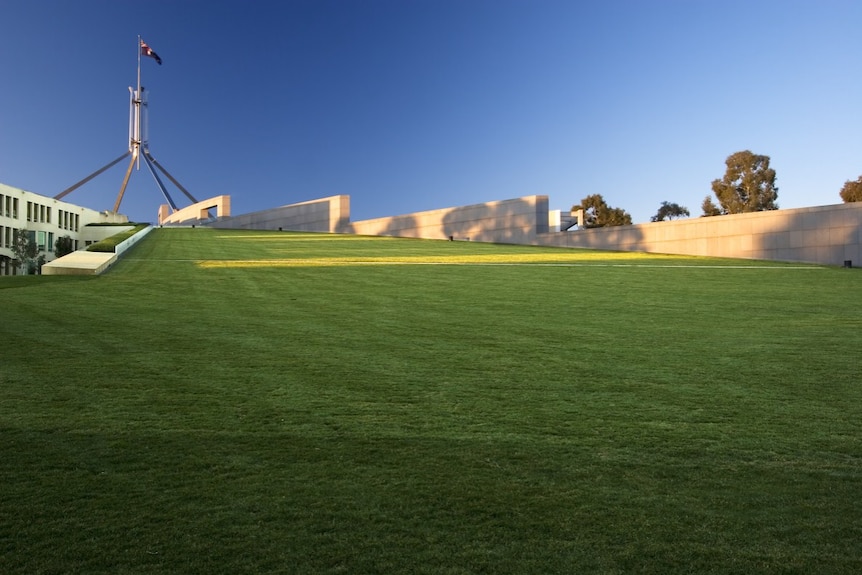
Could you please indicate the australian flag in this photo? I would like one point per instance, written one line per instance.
(147, 51)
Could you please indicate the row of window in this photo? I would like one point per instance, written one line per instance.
(8, 206)
(45, 240)
(6, 267)
(39, 213)
(67, 220)
(7, 236)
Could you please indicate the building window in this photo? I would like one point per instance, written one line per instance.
(29, 211)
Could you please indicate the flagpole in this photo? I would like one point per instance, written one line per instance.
(134, 133)
(138, 141)
(139, 63)
(138, 100)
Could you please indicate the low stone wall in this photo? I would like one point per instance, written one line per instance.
(330, 214)
(196, 212)
(83, 262)
(514, 221)
(827, 235)
(128, 243)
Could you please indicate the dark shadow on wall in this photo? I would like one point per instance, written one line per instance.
(506, 221)
(515, 221)
(394, 226)
(614, 238)
(295, 218)
(827, 235)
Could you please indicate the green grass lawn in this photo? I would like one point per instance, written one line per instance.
(251, 402)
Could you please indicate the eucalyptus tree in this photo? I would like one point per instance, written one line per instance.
(748, 185)
(598, 214)
(669, 211)
(852, 191)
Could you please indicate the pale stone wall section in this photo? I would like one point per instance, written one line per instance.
(508, 221)
(196, 212)
(828, 235)
(330, 214)
(825, 234)
(83, 262)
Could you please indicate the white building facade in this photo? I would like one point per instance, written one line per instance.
(45, 219)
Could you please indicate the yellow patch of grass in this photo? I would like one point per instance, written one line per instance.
(497, 258)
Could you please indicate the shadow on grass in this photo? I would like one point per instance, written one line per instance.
(26, 281)
(202, 502)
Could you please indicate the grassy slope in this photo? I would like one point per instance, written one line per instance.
(613, 415)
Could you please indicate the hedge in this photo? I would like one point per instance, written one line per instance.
(110, 243)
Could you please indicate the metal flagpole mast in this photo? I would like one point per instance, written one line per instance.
(134, 132)
(139, 62)
(138, 101)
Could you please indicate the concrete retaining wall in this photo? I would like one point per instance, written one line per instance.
(825, 234)
(508, 221)
(828, 235)
(128, 243)
(196, 212)
(92, 234)
(83, 262)
(330, 214)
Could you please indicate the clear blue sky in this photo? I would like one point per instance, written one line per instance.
(410, 105)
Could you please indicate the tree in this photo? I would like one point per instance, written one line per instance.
(748, 185)
(669, 211)
(709, 208)
(852, 191)
(25, 250)
(63, 246)
(598, 214)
